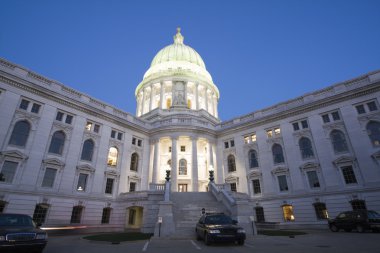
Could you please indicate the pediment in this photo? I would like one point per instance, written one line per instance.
(111, 173)
(86, 167)
(280, 170)
(134, 178)
(254, 173)
(231, 179)
(309, 165)
(344, 160)
(15, 154)
(54, 162)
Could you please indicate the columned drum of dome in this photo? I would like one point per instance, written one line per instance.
(176, 80)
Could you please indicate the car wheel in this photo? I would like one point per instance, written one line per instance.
(334, 228)
(207, 239)
(241, 242)
(348, 230)
(359, 228)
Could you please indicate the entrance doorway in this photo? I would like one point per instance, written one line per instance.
(134, 217)
(182, 187)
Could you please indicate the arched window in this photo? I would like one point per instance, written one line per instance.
(278, 155)
(182, 167)
(87, 150)
(57, 143)
(338, 141)
(134, 162)
(306, 148)
(252, 156)
(373, 130)
(20, 133)
(231, 163)
(112, 156)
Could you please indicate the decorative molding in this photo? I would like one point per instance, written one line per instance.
(85, 168)
(280, 170)
(344, 160)
(53, 162)
(13, 154)
(309, 166)
(254, 174)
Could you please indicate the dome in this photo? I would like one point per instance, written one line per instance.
(178, 52)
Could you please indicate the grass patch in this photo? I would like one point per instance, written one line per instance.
(280, 232)
(118, 237)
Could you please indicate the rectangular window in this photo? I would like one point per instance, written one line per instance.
(335, 116)
(119, 136)
(96, 128)
(183, 148)
(139, 142)
(325, 118)
(260, 214)
(313, 179)
(39, 214)
(76, 214)
(304, 124)
(35, 108)
(233, 187)
(321, 211)
(372, 106)
(88, 126)
(131, 217)
(82, 182)
(113, 134)
(360, 109)
(349, 175)
(24, 104)
(59, 116)
(283, 183)
(132, 186)
(288, 212)
(256, 186)
(133, 141)
(277, 131)
(109, 185)
(69, 119)
(232, 142)
(269, 134)
(106, 215)
(226, 144)
(170, 149)
(296, 126)
(49, 177)
(253, 137)
(246, 139)
(8, 171)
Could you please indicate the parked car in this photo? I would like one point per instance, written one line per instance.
(18, 232)
(218, 227)
(360, 220)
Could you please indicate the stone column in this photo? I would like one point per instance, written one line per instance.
(161, 94)
(186, 94)
(194, 154)
(138, 100)
(174, 170)
(156, 161)
(216, 106)
(213, 103)
(196, 96)
(151, 97)
(143, 101)
(206, 99)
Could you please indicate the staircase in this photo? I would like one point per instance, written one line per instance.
(187, 209)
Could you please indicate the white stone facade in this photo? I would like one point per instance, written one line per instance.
(83, 161)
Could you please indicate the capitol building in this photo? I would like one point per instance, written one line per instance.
(70, 160)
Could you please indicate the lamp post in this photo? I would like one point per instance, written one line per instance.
(168, 173)
(211, 172)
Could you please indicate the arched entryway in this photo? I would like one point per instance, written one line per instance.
(134, 217)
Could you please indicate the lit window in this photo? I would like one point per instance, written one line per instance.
(269, 134)
(277, 131)
(253, 137)
(246, 139)
(168, 103)
(288, 212)
(321, 211)
(112, 156)
(88, 126)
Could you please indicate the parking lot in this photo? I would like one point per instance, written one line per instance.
(314, 241)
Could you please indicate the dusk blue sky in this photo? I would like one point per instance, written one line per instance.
(259, 53)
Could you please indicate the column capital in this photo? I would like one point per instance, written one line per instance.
(154, 140)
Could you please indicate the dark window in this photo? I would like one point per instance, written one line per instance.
(132, 186)
(82, 182)
(304, 124)
(132, 216)
(296, 126)
(134, 162)
(40, 212)
(113, 134)
(372, 106)
(109, 185)
(358, 204)
(335, 116)
(339, 141)
(283, 183)
(306, 148)
(373, 130)
(8, 171)
(76, 214)
(119, 136)
(325, 118)
(226, 144)
(182, 167)
(320, 211)
(106, 215)
(232, 143)
(253, 163)
(139, 142)
(313, 179)
(260, 214)
(24, 104)
(49, 177)
(278, 156)
(231, 163)
(349, 175)
(183, 148)
(57, 143)
(36, 108)
(2, 206)
(134, 141)
(69, 119)
(256, 186)
(233, 187)
(360, 109)
(20, 133)
(96, 128)
(59, 116)
(170, 149)
(87, 150)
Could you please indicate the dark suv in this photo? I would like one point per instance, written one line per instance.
(219, 227)
(360, 220)
(18, 232)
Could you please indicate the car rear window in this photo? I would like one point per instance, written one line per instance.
(16, 220)
(373, 215)
(218, 219)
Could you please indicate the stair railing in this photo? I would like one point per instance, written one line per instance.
(222, 195)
